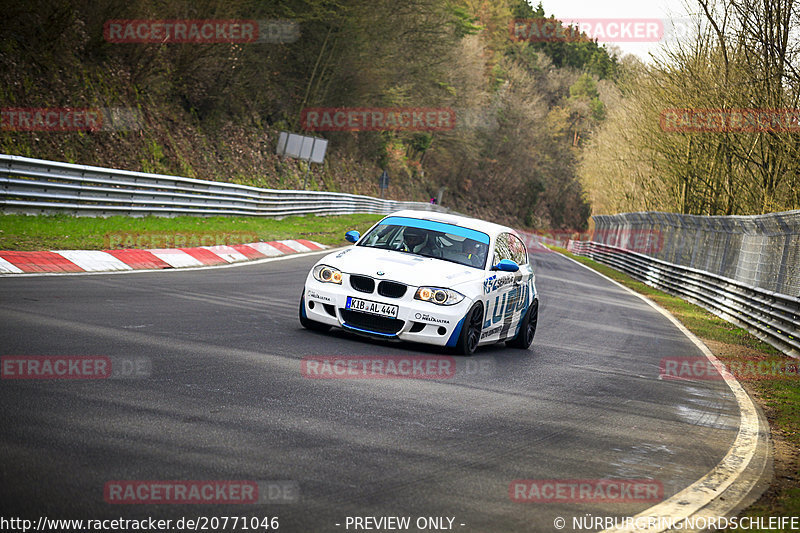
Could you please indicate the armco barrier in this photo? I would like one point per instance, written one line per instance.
(36, 186)
(770, 316)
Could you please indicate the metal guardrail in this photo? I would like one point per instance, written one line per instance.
(770, 316)
(36, 186)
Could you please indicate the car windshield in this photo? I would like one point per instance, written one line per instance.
(427, 238)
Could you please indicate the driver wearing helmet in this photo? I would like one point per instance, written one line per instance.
(475, 252)
(416, 240)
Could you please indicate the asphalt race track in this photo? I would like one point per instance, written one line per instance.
(225, 400)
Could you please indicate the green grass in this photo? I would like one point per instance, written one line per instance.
(63, 232)
(779, 398)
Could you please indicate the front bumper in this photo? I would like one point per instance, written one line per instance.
(416, 321)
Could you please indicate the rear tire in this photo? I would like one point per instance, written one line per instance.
(527, 329)
(307, 322)
(471, 330)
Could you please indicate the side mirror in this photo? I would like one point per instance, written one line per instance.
(506, 265)
(352, 236)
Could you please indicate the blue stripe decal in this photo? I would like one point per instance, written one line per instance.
(528, 303)
(347, 326)
(436, 226)
(519, 322)
(451, 342)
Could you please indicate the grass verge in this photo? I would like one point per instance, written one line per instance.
(65, 232)
(779, 397)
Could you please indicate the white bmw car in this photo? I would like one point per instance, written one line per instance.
(427, 277)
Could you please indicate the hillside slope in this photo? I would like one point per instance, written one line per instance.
(214, 111)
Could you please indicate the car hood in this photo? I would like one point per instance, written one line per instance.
(398, 266)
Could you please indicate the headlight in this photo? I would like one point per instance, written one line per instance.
(327, 274)
(438, 296)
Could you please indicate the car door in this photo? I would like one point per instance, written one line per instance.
(523, 285)
(506, 292)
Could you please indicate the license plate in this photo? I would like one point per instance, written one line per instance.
(373, 308)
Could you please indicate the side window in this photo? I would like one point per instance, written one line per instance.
(518, 252)
(508, 246)
(501, 248)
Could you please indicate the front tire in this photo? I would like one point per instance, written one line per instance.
(471, 330)
(307, 322)
(527, 329)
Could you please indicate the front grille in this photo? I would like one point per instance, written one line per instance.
(378, 324)
(362, 283)
(391, 289)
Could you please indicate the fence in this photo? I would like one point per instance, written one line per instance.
(759, 251)
(35, 186)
